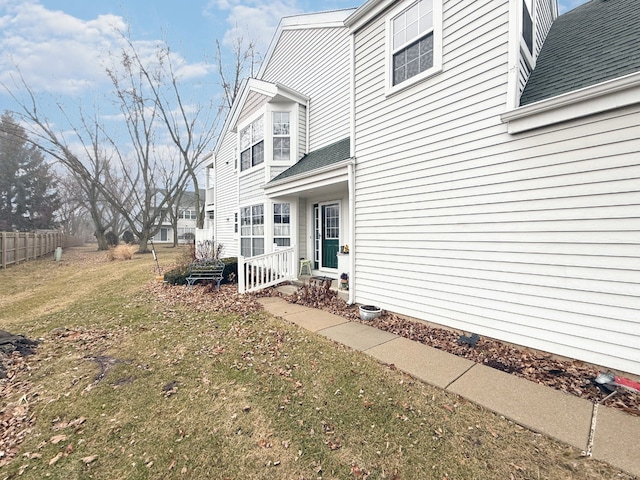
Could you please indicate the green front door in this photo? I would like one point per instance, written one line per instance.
(330, 234)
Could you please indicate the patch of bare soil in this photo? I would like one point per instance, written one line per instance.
(567, 375)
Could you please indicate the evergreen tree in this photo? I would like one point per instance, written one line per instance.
(28, 199)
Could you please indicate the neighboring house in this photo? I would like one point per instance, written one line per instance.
(481, 159)
(184, 217)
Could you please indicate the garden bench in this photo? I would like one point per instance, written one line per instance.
(205, 271)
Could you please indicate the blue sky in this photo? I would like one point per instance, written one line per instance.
(60, 45)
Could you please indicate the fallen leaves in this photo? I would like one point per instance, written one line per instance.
(16, 417)
(89, 459)
(567, 375)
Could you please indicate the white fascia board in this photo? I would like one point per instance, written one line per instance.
(321, 177)
(604, 96)
(366, 13)
(231, 116)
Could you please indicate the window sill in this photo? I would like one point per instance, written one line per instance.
(395, 89)
(251, 170)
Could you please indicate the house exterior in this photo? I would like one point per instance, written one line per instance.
(491, 179)
(281, 163)
(491, 199)
(185, 215)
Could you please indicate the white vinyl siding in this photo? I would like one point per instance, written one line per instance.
(325, 80)
(255, 101)
(251, 185)
(530, 238)
(226, 195)
(302, 131)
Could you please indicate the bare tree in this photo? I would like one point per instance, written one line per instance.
(232, 73)
(190, 128)
(164, 147)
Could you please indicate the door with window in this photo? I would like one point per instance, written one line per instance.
(327, 235)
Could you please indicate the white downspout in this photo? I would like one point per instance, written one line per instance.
(351, 236)
(351, 181)
(308, 129)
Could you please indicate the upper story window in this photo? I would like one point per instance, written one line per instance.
(252, 144)
(527, 24)
(188, 214)
(414, 42)
(281, 136)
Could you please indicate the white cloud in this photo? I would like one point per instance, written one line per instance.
(58, 53)
(54, 51)
(253, 20)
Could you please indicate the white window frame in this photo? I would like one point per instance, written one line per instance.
(255, 138)
(436, 31)
(275, 135)
(529, 56)
(253, 230)
(282, 228)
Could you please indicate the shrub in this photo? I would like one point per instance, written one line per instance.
(128, 237)
(112, 238)
(178, 276)
(121, 252)
(230, 274)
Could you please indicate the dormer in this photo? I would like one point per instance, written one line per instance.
(530, 22)
(270, 126)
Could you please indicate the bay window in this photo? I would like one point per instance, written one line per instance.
(252, 144)
(281, 136)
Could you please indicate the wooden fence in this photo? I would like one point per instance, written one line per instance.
(16, 247)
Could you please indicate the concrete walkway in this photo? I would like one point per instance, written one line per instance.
(615, 440)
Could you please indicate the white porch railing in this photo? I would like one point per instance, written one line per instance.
(262, 271)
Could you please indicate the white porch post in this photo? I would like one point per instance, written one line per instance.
(241, 275)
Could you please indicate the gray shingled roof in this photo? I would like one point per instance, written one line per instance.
(320, 158)
(590, 44)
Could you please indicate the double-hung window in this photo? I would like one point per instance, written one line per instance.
(252, 144)
(281, 136)
(415, 41)
(282, 224)
(252, 230)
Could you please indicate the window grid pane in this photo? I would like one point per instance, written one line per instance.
(281, 224)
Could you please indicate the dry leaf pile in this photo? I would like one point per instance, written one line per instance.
(204, 298)
(16, 417)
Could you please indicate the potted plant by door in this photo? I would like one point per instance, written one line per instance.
(369, 312)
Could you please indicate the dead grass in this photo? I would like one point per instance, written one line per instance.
(133, 379)
(121, 252)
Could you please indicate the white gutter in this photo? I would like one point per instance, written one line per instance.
(598, 98)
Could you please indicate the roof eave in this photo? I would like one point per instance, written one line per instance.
(312, 173)
(601, 97)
